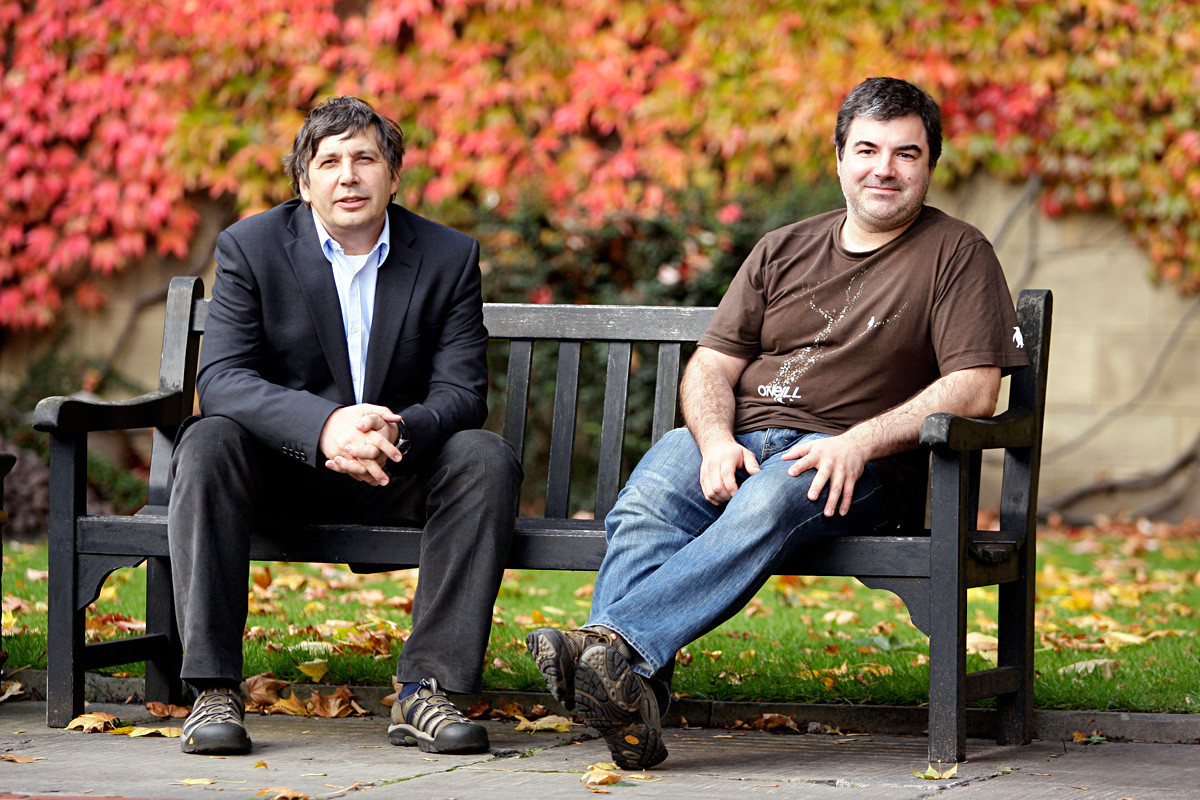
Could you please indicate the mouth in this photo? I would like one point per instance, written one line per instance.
(351, 202)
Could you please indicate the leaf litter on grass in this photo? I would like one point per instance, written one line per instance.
(1119, 590)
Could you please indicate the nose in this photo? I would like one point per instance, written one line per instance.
(883, 167)
(348, 173)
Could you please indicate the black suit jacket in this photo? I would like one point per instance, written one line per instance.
(274, 355)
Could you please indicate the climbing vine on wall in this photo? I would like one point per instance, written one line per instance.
(115, 115)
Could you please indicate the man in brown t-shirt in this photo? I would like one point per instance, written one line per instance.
(803, 405)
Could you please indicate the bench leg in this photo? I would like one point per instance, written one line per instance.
(947, 683)
(65, 623)
(950, 503)
(162, 673)
(1014, 711)
(64, 655)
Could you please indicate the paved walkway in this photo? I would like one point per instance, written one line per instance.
(351, 758)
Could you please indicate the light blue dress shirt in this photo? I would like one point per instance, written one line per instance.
(355, 278)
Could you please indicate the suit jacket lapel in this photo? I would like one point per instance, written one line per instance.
(393, 292)
(315, 277)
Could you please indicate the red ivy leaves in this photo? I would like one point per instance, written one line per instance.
(112, 112)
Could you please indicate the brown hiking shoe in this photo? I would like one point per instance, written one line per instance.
(555, 652)
(619, 703)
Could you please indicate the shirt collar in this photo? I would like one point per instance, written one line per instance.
(330, 246)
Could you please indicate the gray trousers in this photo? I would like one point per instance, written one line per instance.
(465, 495)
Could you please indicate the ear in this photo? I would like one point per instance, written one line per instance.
(304, 193)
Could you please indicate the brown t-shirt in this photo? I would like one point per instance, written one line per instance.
(835, 337)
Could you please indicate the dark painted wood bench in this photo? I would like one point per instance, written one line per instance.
(929, 568)
(7, 462)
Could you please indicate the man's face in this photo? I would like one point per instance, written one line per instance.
(349, 187)
(884, 171)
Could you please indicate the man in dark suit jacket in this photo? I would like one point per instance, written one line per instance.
(343, 378)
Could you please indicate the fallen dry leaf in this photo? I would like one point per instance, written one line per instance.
(195, 781)
(841, 617)
(931, 774)
(260, 765)
(289, 705)
(507, 710)
(549, 723)
(16, 759)
(167, 732)
(331, 706)
(1107, 667)
(769, 722)
(314, 648)
(1115, 640)
(283, 793)
(95, 722)
(163, 710)
(601, 774)
(10, 689)
(264, 688)
(315, 669)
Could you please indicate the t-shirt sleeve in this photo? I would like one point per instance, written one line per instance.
(974, 323)
(736, 327)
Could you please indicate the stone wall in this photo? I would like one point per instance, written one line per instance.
(1124, 390)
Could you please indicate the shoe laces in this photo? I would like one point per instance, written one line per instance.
(431, 709)
(213, 706)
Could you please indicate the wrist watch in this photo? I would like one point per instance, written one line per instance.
(403, 439)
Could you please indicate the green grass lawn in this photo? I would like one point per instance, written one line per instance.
(1116, 624)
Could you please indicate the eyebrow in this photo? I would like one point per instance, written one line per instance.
(908, 148)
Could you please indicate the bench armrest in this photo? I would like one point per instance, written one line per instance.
(1013, 428)
(159, 408)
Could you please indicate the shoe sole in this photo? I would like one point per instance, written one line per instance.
(232, 745)
(608, 697)
(550, 652)
(408, 736)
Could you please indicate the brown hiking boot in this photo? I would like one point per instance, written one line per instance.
(619, 703)
(555, 652)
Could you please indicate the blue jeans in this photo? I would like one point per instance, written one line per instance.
(678, 566)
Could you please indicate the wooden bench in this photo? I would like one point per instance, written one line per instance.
(7, 462)
(929, 568)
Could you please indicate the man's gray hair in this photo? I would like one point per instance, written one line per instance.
(335, 117)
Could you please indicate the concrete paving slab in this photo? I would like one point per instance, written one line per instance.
(317, 757)
(344, 758)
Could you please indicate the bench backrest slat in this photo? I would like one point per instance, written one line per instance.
(666, 389)
(612, 430)
(516, 400)
(562, 430)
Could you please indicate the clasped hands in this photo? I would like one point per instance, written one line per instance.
(838, 460)
(359, 440)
